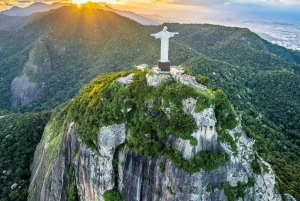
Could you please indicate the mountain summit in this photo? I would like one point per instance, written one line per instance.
(148, 135)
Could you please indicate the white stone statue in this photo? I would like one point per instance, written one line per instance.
(164, 36)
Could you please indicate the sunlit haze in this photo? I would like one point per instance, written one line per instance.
(196, 11)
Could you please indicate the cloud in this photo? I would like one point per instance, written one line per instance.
(25, 1)
(273, 10)
(191, 2)
(229, 2)
(15, 2)
(290, 1)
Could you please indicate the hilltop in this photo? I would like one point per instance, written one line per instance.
(152, 130)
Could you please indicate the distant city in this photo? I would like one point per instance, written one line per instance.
(283, 34)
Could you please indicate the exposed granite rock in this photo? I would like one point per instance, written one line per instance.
(47, 178)
(24, 90)
(206, 133)
(289, 197)
(156, 79)
(25, 87)
(93, 172)
(166, 110)
(126, 80)
(142, 179)
(150, 107)
(157, 76)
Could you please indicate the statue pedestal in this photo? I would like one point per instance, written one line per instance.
(164, 66)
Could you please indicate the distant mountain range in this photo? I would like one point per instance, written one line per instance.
(33, 8)
(138, 18)
(16, 13)
(157, 18)
(12, 22)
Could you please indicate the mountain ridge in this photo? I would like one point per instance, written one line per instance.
(33, 8)
(24, 14)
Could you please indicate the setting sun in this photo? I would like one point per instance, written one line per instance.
(81, 2)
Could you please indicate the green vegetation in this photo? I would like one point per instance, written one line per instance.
(101, 103)
(255, 166)
(237, 135)
(209, 190)
(170, 190)
(224, 136)
(95, 106)
(71, 189)
(161, 166)
(111, 195)
(19, 135)
(202, 80)
(235, 192)
(207, 160)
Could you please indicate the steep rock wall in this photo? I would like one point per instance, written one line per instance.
(63, 163)
(24, 90)
(142, 179)
(92, 173)
(26, 87)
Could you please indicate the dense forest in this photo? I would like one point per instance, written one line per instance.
(19, 135)
(63, 49)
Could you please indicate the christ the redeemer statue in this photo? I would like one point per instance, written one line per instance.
(164, 35)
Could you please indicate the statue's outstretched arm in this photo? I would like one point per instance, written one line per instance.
(157, 35)
(171, 34)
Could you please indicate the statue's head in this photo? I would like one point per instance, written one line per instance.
(165, 28)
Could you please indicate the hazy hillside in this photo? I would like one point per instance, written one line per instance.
(12, 22)
(131, 15)
(17, 17)
(33, 8)
(46, 62)
(157, 18)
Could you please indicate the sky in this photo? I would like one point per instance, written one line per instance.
(206, 3)
(252, 9)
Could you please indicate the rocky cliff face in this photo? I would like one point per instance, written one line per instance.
(93, 170)
(142, 179)
(24, 90)
(63, 162)
(25, 87)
